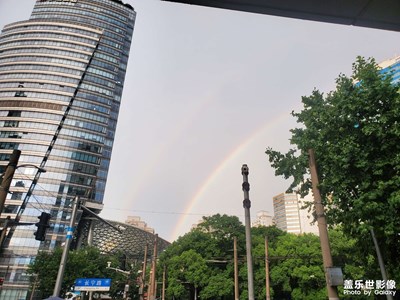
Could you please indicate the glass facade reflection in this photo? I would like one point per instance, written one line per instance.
(69, 56)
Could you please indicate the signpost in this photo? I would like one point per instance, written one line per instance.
(92, 284)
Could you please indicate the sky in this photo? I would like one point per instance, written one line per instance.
(208, 90)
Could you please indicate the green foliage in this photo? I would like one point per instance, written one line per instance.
(187, 270)
(84, 263)
(295, 262)
(296, 267)
(355, 134)
(209, 248)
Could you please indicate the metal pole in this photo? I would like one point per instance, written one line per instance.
(143, 275)
(236, 270)
(163, 283)
(247, 205)
(7, 177)
(322, 227)
(143, 281)
(268, 296)
(380, 261)
(153, 284)
(68, 239)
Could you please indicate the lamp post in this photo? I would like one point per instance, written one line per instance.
(68, 239)
(9, 174)
(5, 188)
(7, 177)
(127, 273)
(247, 205)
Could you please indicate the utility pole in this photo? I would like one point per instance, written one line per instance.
(235, 261)
(322, 227)
(247, 205)
(163, 282)
(153, 285)
(68, 239)
(143, 277)
(268, 296)
(380, 261)
(8, 176)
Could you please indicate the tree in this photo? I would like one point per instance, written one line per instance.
(258, 240)
(187, 270)
(83, 263)
(354, 131)
(296, 268)
(202, 261)
(209, 247)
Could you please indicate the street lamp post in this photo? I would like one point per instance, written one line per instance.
(5, 188)
(7, 177)
(247, 205)
(9, 174)
(127, 273)
(68, 239)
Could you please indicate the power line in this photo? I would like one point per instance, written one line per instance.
(129, 210)
(165, 212)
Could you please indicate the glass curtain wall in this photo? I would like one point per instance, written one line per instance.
(69, 54)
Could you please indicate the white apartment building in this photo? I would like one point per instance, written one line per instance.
(263, 219)
(289, 215)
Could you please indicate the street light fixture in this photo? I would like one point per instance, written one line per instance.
(7, 177)
(127, 273)
(41, 170)
(9, 174)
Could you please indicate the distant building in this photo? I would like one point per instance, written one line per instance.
(392, 65)
(289, 215)
(286, 212)
(263, 219)
(308, 225)
(195, 225)
(137, 222)
(131, 240)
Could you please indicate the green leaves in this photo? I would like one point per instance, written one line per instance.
(354, 131)
(201, 262)
(83, 263)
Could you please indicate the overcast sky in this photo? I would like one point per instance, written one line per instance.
(206, 91)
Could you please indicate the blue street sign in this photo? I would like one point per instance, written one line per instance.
(92, 284)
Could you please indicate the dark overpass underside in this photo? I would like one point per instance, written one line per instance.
(379, 14)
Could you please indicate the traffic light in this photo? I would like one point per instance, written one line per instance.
(42, 226)
(1, 281)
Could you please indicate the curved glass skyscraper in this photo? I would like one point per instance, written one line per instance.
(61, 79)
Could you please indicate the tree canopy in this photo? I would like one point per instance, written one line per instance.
(355, 133)
(87, 262)
(201, 262)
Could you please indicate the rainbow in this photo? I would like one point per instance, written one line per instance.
(224, 163)
(151, 167)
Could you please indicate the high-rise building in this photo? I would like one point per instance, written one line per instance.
(137, 222)
(290, 216)
(263, 218)
(392, 65)
(286, 212)
(61, 79)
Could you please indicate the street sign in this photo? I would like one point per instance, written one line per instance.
(92, 284)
